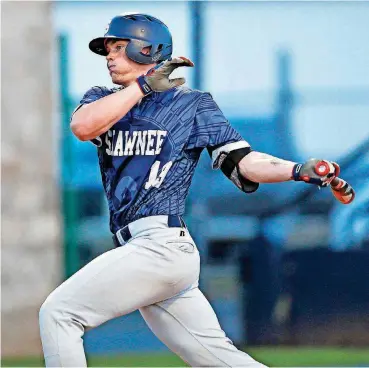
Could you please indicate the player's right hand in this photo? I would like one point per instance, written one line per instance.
(157, 79)
(315, 171)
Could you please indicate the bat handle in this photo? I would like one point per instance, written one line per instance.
(322, 168)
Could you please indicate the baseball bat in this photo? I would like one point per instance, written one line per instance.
(341, 190)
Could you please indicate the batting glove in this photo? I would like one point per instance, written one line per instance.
(342, 190)
(157, 78)
(314, 171)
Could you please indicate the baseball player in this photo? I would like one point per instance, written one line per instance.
(149, 133)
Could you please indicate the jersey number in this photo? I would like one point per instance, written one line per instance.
(155, 179)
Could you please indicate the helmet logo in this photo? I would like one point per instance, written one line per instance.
(107, 27)
(157, 56)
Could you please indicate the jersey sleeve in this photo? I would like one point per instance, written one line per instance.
(213, 131)
(92, 95)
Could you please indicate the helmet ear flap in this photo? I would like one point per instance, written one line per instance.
(134, 52)
(155, 52)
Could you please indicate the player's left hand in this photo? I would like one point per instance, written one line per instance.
(157, 79)
(315, 171)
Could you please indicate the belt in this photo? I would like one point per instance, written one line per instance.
(123, 235)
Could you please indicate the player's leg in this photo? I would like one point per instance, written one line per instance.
(113, 284)
(189, 327)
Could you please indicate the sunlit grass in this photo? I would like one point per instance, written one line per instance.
(271, 356)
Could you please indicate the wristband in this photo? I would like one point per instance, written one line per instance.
(296, 172)
(307, 179)
(145, 88)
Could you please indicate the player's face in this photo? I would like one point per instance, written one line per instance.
(122, 69)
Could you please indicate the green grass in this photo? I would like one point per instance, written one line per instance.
(271, 356)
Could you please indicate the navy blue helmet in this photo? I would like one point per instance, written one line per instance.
(141, 30)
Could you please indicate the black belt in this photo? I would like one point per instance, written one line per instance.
(125, 234)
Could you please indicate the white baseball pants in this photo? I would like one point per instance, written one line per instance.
(157, 272)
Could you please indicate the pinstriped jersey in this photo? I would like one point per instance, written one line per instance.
(147, 159)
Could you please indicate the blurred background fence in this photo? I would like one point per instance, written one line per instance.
(287, 264)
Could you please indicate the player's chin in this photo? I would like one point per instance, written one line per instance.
(116, 79)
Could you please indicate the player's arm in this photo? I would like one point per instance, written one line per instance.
(263, 168)
(247, 168)
(97, 117)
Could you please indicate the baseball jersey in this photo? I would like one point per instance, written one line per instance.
(147, 159)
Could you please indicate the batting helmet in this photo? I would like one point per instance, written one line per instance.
(141, 30)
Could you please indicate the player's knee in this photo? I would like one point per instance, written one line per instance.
(47, 312)
(51, 311)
